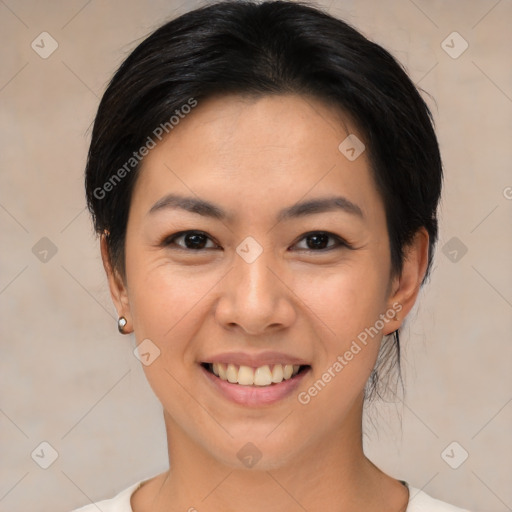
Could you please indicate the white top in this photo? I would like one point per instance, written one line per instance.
(418, 502)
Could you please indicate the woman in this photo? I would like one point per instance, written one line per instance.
(265, 183)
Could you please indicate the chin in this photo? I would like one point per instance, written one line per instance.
(255, 452)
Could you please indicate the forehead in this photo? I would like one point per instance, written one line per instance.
(258, 152)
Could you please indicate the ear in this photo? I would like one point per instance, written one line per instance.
(406, 286)
(118, 290)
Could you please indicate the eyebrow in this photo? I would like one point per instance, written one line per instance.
(302, 209)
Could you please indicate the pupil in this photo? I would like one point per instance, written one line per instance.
(195, 241)
(320, 241)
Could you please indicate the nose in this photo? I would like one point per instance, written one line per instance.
(255, 298)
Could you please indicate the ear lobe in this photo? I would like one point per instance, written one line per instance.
(407, 286)
(118, 290)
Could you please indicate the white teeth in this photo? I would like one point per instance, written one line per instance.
(246, 376)
(222, 371)
(232, 373)
(261, 376)
(277, 373)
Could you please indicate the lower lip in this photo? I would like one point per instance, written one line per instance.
(255, 395)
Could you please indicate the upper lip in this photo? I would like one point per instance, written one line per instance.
(254, 360)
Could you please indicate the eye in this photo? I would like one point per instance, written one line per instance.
(190, 240)
(318, 241)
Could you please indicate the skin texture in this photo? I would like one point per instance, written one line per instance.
(253, 157)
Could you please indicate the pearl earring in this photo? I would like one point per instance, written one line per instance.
(121, 324)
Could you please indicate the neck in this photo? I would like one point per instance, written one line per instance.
(332, 474)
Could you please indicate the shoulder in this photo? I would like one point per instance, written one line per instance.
(420, 501)
(119, 503)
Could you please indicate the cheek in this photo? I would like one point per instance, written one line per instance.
(168, 308)
(349, 304)
(347, 299)
(165, 302)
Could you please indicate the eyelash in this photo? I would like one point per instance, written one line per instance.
(340, 242)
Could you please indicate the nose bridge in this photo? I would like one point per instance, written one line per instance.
(255, 299)
(255, 288)
(256, 282)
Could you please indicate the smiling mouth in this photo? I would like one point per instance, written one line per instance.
(267, 375)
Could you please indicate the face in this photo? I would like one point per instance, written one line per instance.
(257, 251)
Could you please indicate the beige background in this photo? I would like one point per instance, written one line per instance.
(68, 378)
